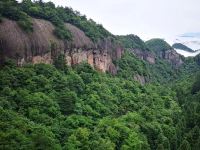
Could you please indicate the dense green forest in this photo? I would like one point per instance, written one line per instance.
(43, 107)
(50, 107)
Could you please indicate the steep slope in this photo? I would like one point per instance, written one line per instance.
(144, 65)
(56, 31)
(158, 45)
(132, 41)
(164, 51)
(59, 107)
(42, 46)
(134, 44)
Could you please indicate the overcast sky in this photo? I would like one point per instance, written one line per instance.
(146, 18)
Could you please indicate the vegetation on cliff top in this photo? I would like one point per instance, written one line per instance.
(22, 13)
(132, 41)
(158, 45)
(60, 107)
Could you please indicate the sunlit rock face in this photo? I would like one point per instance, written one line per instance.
(42, 46)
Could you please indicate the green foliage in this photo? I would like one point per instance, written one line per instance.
(93, 30)
(161, 72)
(132, 41)
(11, 10)
(196, 85)
(60, 62)
(58, 107)
(197, 59)
(185, 145)
(47, 108)
(25, 22)
(57, 15)
(62, 33)
(1, 18)
(189, 101)
(130, 65)
(67, 101)
(158, 45)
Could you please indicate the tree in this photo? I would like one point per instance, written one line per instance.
(160, 147)
(196, 85)
(66, 101)
(75, 83)
(185, 145)
(134, 142)
(60, 62)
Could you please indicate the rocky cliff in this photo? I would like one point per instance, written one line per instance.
(151, 50)
(41, 46)
(170, 55)
(162, 50)
(144, 55)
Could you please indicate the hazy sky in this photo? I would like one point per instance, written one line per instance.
(146, 18)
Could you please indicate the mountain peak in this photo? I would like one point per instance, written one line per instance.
(158, 44)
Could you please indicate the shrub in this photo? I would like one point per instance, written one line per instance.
(62, 33)
(25, 23)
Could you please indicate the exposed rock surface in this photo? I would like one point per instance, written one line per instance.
(170, 55)
(144, 55)
(42, 46)
(141, 79)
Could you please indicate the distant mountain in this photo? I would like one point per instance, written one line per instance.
(182, 47)
(188, 44)
(191, 40)
(184, 50)
(186, 53)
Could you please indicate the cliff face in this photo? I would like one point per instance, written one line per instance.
(41, 46)
(170, 55)
(141, 79)
(173, 57)
(144, 55)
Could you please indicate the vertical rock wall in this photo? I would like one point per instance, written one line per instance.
(41, 46)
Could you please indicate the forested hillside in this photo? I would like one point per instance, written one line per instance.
(147, 99)
(43, 107)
